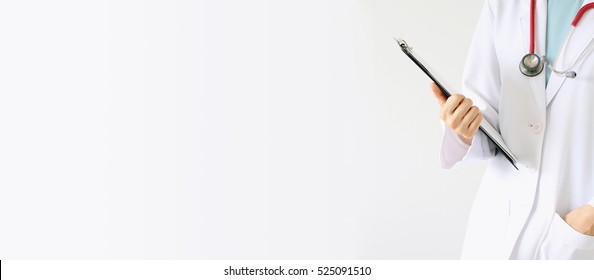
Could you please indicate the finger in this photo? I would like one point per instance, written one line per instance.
(452, 103)
(441, 98)
(469, 117)
(476, 123)
(469, 131)
(461, 110)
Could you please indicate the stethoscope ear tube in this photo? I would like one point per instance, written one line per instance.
(531, 64)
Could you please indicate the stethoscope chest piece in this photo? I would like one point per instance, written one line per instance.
(531, 65)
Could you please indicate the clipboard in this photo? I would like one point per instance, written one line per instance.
(492, 134)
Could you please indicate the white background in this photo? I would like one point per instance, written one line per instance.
(228, 130)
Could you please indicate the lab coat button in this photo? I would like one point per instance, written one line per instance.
(536, 127)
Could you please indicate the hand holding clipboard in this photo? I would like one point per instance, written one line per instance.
(488, 129)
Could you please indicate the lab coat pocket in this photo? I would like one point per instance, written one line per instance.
(562, 242)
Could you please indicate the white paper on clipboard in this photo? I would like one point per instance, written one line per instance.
(486, 127)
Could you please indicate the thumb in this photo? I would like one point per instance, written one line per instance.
(441, 98)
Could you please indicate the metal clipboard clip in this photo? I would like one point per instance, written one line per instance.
(403, 44)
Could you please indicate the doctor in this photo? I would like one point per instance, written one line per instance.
(545, 114)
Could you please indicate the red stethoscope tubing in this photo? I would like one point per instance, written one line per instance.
(580, 13)
(574, 23)
(532, 11)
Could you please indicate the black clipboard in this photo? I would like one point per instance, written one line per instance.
(488, 129)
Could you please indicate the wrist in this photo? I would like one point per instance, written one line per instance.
(466, 141)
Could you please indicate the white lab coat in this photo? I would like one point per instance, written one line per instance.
(517, 213)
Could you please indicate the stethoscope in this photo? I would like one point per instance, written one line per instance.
(531, 64)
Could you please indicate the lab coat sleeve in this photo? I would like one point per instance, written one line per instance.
(481, 83)
(455, 150)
